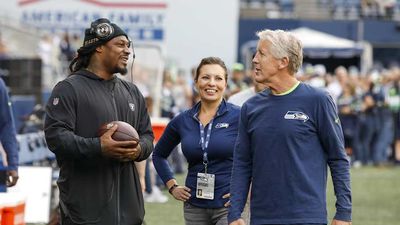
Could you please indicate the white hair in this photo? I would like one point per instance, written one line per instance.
(284, 44)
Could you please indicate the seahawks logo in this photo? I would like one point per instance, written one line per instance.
(222, 125)
(296, 115)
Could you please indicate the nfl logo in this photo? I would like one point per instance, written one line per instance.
(55, 101)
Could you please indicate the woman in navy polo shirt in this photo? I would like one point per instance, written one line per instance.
(207, 133)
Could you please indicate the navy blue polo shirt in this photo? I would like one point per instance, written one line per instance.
(185, 129)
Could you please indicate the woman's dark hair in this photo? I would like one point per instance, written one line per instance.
(211, 61)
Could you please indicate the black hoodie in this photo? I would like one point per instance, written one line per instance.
(95, 189)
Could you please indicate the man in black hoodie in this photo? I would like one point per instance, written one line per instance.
(98, 181)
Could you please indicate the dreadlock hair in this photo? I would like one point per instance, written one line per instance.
(82, 59)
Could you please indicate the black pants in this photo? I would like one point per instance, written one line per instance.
(3, 179)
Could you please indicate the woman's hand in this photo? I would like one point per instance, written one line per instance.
(228, 203)
(339, 222)
(181, 193)
(238, 222)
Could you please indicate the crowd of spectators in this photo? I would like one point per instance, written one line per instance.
(368, 106)
(339, 9)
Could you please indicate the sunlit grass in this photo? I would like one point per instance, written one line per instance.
(376, 200)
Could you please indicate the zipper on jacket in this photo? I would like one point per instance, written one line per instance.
(117, 181)
(118, 191)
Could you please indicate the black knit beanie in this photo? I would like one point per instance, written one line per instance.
(99, 33)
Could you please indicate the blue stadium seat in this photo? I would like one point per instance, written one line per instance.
(22, 106)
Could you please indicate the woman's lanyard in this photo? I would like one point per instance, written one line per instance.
(204, 141)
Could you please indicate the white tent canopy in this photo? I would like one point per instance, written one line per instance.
(316, 39)
(317, 44)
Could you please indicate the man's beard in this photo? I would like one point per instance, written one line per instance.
(122, 71)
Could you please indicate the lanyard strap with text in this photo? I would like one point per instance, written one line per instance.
(204, 140)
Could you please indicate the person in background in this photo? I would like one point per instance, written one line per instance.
(335, 88)
(384, 121)
(151, 192)
(3, 49)
(207, 133)
(238, 80)
(8, 142)
(48, 51)
(66, 49)
(242, 96)
(98, 181)
(394, 105)
(346, 104)
(368, 122)
(286, 140)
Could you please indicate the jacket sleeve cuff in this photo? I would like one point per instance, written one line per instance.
(343, 215)
(233, 216)
(9, 168)
(97, 147)
(145, 152)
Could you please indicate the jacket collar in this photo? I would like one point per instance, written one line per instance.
(223, 107)
(88, 74)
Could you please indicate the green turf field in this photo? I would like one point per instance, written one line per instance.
(376, 200)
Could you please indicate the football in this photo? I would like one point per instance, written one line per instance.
(124, 132)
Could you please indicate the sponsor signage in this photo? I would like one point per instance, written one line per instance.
(143, 21)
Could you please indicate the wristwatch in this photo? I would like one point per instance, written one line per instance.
(172, 188)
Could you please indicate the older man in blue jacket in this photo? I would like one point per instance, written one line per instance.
(287, 139)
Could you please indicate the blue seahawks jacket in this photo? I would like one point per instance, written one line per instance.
(185, 129)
